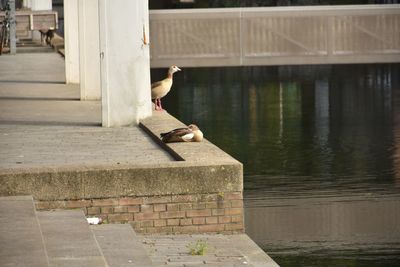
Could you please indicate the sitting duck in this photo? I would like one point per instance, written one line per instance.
(161, 88)
(191, 133)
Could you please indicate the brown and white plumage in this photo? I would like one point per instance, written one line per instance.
(191, 133)
(161, 88)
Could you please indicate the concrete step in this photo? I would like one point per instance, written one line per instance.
(32, 49)
(120, 246)
(21, 241)
(29, 44)
(68, 239)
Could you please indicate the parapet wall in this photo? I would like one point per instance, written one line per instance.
(199, 192)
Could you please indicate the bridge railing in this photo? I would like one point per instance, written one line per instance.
(28, 20)
(275, 35)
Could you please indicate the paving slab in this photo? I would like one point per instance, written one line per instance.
(21, 242)
(35, 67)
(69, 240)
(120, 246)
(44, 124)
(222, 250)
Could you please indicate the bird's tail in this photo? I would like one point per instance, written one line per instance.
(163, 134)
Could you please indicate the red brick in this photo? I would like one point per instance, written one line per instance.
(211, 205)
(107, 210)
(234, 211)
(172, 207)
(160, 207)
(211, 220)
(185, 206)
(71, 204)
(223, 204)
(185, 229)
(211, 228)
(238, 218)
(237, 203)
(183, 198)
(105, 202)
(224, 219)
(120, 217)
(160, 223)
(130, 201)
(218, 212)
(198, 213)
(93, 210)
(120, 209)
(234, 227)
(135, 208)
(146, 216)
(146, 208)
(172, 222)
(199, 220)
(198, 206)
(185, 222)
(145, 224)
(172, 214)
(233, 195)
(158, 200)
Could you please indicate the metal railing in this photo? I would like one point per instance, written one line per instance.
(275, 36)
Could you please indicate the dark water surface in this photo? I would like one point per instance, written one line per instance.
(321, 152)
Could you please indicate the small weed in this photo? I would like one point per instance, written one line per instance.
(199, 248)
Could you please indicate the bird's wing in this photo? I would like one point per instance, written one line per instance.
(178, 135)
(155, 84)
(177, 131)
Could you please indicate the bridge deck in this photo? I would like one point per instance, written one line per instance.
(275, 36)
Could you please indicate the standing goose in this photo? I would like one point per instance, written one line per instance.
(161, 88)
(191, 133)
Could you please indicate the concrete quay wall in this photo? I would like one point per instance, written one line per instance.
(199, 192)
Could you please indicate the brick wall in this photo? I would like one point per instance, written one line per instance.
(198, 213)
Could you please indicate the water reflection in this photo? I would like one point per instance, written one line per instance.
(321, 153)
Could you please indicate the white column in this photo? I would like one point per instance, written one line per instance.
(39, 5)
(89, 50)
(27, 3)
(125, 62)
(71, 41)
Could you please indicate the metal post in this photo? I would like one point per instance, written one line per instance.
(13, 37)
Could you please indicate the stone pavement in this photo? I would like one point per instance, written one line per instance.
(43, 123)
(221, 251)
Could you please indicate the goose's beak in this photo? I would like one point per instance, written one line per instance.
(178, 69)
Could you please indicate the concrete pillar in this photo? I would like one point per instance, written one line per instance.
(27, 3)
(40, 5)
(71, 41)
(125, 61)
(89, 50)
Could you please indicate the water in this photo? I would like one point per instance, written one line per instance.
(321, 152)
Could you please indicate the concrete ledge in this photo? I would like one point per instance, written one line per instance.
(199, 192)
(203, 151)
(202, 168)
(106, 182)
